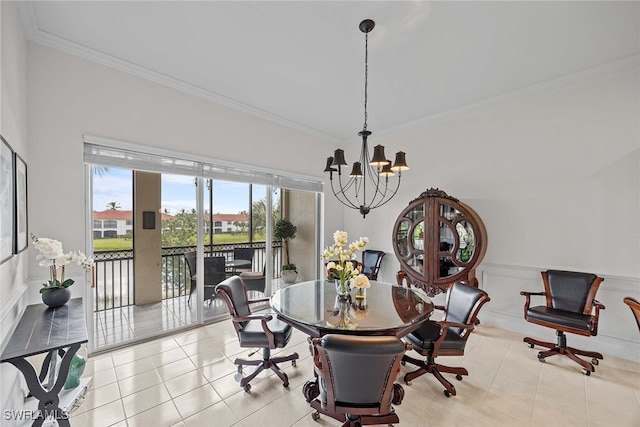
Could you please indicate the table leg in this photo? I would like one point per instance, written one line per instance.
(48, 399)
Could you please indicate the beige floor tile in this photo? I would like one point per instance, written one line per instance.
(135, 383)
(145, 399)
(130, 369)
(104, 377)
(175, 369)
(219, 412)
(196, 400)
(220, 368)
(163, 415)
(185, 383)
(99, 396)
(168, 356)
(104, 415)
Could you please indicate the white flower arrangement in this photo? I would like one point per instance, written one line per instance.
(51, 255)
(341, 258)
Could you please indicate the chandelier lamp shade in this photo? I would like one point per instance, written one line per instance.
(373, 181)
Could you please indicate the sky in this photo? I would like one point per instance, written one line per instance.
(178, 192)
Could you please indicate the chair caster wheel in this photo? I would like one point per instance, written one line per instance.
(446, 393)
(586, 372)
(594, 361)
(285, 385)
(293, 363)
(315, 416)
(531, 345)
(459, 377)
(540, 358)
(247, 388)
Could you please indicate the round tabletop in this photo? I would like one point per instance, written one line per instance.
(386, 309)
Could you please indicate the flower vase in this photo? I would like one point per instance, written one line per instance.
(342, 288)
(56, 297)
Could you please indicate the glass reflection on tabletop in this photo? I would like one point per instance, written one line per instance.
(383, 307)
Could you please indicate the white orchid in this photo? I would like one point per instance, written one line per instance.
(51, 255)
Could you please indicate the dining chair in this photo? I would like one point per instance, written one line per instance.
(255, 331)
(371, 261)
(255, 280)
(446, 337)
(570, 306)
(243, 254)
(214, 273)
(356, 378)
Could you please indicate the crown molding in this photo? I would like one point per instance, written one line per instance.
(34, 34)
(625, 64)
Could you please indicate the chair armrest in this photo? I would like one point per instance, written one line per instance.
(445, 325)
(598, 306)
(263, 318)
(527, 300)
(240, 319)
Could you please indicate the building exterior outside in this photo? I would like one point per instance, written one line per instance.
(119, 222)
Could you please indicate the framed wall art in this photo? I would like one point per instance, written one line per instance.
(7, 198)
(21, 228)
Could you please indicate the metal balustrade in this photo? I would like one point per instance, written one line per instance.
(113, 271)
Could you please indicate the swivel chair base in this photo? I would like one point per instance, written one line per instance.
(267, 362)
(430, 366)
(561, 348)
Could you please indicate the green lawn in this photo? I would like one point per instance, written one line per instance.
(120, 243)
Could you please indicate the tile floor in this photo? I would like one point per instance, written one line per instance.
(187, 379)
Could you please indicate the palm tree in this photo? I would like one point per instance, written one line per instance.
(113, 205)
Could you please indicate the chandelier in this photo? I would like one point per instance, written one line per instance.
(369, 185)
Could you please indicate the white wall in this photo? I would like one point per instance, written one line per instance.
(70, 97)
(556, 179)
(13, 126)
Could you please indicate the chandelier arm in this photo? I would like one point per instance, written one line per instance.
(342, 191)
(384, 202)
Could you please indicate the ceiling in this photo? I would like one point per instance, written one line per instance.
(301, 63)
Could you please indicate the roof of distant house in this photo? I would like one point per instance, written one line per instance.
(123, 214)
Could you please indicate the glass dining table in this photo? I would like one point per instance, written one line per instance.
(386, 309)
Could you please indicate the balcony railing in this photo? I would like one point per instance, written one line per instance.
(113, 271)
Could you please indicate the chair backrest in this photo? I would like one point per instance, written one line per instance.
(214, 270)
(357, 372)
(463, 304)
(190, 257)
(234, 293)
(570, 291)
(243, 253)
(634, 305)
(371, 260)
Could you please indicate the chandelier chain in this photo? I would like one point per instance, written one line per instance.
(366, 77)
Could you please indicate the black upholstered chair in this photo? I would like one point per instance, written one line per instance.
(356, 376)
(447, 337)
(634, 305)
(255, 331)
(371, 261)
(243, 254)
(214, 273)
(255, 280)
(570, 306)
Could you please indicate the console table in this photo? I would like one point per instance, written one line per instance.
(57, 332)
